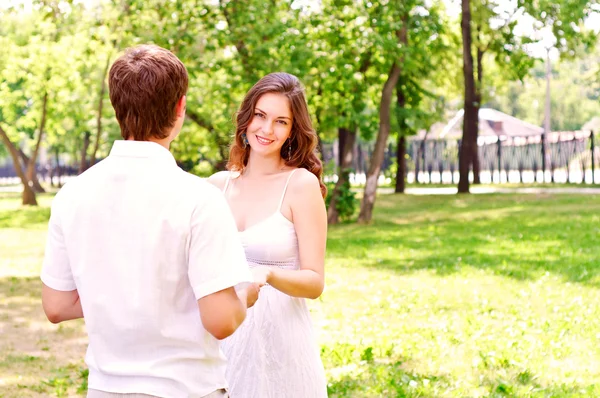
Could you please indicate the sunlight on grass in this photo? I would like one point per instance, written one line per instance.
(465, 296)
(443, 296)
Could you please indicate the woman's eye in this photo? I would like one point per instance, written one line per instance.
(282, 122)
(259, 114)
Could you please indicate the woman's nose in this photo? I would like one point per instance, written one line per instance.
(267, 127)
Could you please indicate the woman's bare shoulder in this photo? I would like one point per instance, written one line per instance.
(219, 179)
(303, 182)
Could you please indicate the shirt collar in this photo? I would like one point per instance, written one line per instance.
(141, 149)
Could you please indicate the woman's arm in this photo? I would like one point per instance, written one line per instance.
(310, 220)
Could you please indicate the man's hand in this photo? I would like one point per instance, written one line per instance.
(251, 294)
(261, 275)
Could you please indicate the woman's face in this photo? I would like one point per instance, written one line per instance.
(271, 124)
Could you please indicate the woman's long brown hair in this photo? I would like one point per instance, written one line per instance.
(303, 137)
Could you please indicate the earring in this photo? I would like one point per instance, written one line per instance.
(245, 140)
(290, 151)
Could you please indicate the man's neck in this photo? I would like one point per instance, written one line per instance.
(164, 142)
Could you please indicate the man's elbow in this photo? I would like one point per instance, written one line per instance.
(222, 330)
(54, 315)
(224, 324)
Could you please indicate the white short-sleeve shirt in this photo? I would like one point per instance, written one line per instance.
(141, 241)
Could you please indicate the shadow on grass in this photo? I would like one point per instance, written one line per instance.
(37, 357)
(518, 236)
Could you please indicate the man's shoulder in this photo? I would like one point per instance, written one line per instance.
(79, 185)
(196, 185)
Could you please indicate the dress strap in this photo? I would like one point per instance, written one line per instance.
(285, 189)
(227, 183)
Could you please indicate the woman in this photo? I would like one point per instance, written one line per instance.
(275, 192)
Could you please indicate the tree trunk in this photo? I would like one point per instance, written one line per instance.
(470, 118)
(28, 197)
(31, 164)
(84, 148)
(99, 115)
(401, 159)
(401, 145)
(34, 182)
(346, 157)
(478, 96)
(342, 135)
(476, 166)
(368, 202)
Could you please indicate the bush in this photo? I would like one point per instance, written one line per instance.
(346, 203)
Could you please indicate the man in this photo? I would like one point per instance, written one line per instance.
(147, 252)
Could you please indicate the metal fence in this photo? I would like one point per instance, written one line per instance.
(570, 157)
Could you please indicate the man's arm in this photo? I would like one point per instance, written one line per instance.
(224, 311)
(60, 298)
(217, 264)
(61, 306)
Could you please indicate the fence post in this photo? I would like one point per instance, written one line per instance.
(593, 150)
(553, 162)
(423, 158)
(543, 157)
(500, 161)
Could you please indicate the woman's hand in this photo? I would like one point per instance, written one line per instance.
(261, 275)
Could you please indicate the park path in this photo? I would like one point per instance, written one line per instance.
(451, 190)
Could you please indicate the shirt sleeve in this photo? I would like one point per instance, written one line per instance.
(56, 269)
(216, 257)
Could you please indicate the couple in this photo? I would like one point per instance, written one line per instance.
(162, 265)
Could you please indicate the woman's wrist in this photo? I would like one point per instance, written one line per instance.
(270, 275)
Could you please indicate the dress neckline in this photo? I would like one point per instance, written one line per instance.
(277, 212)
(264, 220)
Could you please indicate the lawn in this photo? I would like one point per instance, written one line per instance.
(442, 296)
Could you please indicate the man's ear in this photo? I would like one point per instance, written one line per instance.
(181, 104)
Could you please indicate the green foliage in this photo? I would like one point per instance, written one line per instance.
(391, 173)
(341, 51)
(570, 109)
(346, 203)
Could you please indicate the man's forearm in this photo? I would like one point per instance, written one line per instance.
(61, 306)
(74, 311)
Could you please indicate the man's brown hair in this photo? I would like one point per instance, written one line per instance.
(145, 85)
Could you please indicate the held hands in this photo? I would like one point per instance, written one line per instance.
(261, 275)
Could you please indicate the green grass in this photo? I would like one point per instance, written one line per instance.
(503, 185)
(442, 296)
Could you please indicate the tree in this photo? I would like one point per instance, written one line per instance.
(494, 34)
(395, 25)
(471, 117)
(339, 74)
